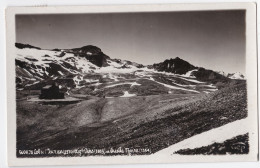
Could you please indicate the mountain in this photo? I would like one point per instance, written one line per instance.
(88, 71)
(121, 103)
(91, 53)
(35, 65)
(176, 65)
(182, 67)
(22, 46)
(222, 73)
(236, 75)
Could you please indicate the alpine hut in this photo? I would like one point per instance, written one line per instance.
(51, 92)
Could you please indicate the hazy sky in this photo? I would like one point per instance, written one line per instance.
(211, 39)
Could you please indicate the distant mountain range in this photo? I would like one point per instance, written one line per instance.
(35, 66)
(236, 75)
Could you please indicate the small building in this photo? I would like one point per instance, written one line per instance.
(51, 92)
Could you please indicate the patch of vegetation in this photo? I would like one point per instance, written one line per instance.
(236, 145)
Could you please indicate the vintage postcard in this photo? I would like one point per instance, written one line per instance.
(132, 84)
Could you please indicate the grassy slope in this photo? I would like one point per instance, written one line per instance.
(154, 122)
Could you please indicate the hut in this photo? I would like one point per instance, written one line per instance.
(51, 92)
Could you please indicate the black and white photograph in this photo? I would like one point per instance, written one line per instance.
(133, 84)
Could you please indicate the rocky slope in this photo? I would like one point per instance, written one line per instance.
(153, 122)
(122, 103)
(182, 67)
(176, 65)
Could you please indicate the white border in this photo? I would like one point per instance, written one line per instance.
(251, 73)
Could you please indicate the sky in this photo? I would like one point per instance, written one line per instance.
(210, 39)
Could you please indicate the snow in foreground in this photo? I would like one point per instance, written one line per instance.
(218, 135)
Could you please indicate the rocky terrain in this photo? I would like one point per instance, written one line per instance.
(119, 103)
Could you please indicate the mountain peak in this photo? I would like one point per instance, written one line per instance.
(88, 49)
(22, 46)
(236, 75)
(174, 65)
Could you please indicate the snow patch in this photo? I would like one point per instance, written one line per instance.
(126, 83)
(45, 57)
(60, 73)
(126, 94)
(112, 69)
(77, 80)
(32, 83)
(173, 81)
(211, 86)
(217, 135)
(212, 90)
(135, 84)
(113, 77)
(191, 80)
(189, 74)
(91, 80)
(236, 75)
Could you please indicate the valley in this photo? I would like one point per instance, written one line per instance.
(113, 103)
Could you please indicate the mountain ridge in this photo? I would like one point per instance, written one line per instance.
(83, 67)
(95, 55)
